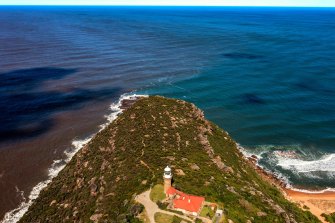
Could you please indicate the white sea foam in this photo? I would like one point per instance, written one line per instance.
(296, 165)
(15, 214)
(247, 153)
(311, 191)
(325, 163)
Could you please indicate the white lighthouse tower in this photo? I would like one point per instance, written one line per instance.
(167, 178)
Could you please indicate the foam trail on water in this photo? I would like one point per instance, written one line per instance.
(15, 214)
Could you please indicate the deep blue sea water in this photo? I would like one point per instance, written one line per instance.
(266, 75)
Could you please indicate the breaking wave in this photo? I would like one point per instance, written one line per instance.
(296, 166)
(15, 214)
(326, 163)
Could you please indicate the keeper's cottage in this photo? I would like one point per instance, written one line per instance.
(188, 204)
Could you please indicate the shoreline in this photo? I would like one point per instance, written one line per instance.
(302, 197)
(124, 102)
(317, 202)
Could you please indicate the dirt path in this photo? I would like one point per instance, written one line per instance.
(151, 207)
(146, 165)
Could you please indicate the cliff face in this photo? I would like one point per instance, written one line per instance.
(127, 157)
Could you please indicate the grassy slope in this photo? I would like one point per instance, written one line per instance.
(329, 217)
(129, 155)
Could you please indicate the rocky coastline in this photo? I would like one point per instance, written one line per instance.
(317, 202)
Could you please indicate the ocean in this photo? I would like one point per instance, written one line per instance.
(265, 75)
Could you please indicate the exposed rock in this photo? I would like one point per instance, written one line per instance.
(252, 192)
(171, 158)
(118, 178)
(194, 166)
(53, 202)
(93, 187)
(229, 169)
(231, 189)
(144, 182)
(79, 182)
(222, 166)
(278, 209)
(246, 204)
(104, 165)
(74, 214)
(101, 190)
(261, 214)
(95, 217)
(178, 140)
(180, 172)
(117, 157)
(110, 194)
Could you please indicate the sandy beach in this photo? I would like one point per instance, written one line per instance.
(317, 203)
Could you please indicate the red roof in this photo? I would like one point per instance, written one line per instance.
(185, 201)
(171, 191)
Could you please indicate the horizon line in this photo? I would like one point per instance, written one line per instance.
(148, 5)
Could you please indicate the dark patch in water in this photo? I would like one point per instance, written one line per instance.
(313, 85)
(27, 112)
(30, 78)
(252, 99)
(242, 56)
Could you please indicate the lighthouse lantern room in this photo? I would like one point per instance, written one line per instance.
(167, 178)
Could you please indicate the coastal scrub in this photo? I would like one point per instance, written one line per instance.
(101, 181)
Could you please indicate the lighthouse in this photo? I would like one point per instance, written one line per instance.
(167, 178)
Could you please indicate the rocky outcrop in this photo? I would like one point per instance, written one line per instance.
(126, 158)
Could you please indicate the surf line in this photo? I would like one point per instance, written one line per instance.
(116, 109)
(293, 164)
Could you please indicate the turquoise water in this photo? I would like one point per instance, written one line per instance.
(266, 75)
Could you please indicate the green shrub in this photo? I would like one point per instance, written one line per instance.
(329, 217)
(130, 154)
(176, 219)
(162, 205)
(197, 220)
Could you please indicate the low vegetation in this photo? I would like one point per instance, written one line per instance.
(329, 217)
(207, 212)
(157, 193)
(126, 158)
(166, 218)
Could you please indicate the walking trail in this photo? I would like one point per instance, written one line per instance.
(151, 207)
